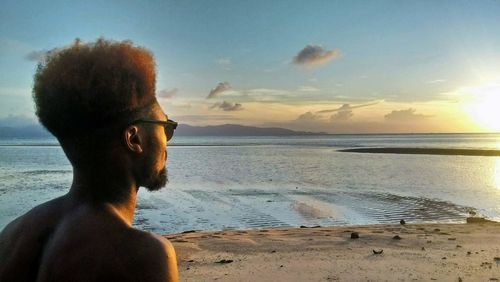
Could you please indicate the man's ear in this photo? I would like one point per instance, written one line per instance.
(133, 139)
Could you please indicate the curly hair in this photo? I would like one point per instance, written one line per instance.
(94, 85)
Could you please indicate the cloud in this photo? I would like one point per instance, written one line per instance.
(14, 48)
(221, 87)
(267, 92)
(227, 106)
(167, 93)
(313, 55)
(37, 56)
(264, 95)
(17, 120)
(308, 117)
(204, 118)
(343, 113)
(41, 55)
(405, 115)
(435, 81)
(224, 61)
(346, 107)
(308, 89)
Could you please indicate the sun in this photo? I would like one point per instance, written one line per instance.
(483, 106)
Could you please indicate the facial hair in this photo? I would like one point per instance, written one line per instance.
(157, 181)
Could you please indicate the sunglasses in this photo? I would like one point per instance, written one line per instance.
(169, 125)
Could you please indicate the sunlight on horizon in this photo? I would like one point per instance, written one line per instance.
(481, 104)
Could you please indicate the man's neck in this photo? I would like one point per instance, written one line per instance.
(118, 193)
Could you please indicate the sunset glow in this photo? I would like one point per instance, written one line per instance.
(336, 67)
(484, 106)
(168, 140)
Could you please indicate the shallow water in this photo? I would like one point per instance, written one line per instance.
(255, 182)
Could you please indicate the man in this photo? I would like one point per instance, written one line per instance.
(98, 100)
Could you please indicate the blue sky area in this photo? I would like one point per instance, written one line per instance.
(335, 66)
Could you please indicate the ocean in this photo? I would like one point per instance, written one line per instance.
(218, 183)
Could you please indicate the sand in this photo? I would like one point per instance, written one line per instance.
(425, 252)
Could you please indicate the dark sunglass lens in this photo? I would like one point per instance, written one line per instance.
(169, 131)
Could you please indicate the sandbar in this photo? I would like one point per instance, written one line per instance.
(426, 151)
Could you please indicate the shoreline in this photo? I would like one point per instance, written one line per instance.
(421, 252)
(425, 151)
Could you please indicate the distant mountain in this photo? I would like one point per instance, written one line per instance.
(238, 130)
(37, 131)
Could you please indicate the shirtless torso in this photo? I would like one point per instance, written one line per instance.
(65, 241)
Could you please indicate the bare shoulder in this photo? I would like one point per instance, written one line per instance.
(156, 254)
(35, 223)
(22, 241)
(43, 213)
(154, 244)
(117, 252)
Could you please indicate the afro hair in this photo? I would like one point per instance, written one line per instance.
(94, 85)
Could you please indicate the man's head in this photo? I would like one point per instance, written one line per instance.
(146, 137)
(89, 95)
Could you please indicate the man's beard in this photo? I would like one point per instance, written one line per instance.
(156, 181)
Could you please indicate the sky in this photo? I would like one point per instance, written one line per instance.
(330, 66)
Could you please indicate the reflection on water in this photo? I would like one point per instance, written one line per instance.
(286, 182)
(496, 174)
(496, 171)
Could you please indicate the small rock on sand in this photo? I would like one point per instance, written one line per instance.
(354, 235)
(396, 237)
(223, 261)
(188, 231)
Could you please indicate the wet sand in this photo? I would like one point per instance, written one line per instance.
(424, 252)
(426, 151)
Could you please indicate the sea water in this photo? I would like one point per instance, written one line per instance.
(220, 183)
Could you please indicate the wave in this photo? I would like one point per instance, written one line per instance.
(44, 171)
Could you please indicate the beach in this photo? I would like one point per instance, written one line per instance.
(260, 190)
(410, 252)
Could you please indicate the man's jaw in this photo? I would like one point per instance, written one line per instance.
(157, 181)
